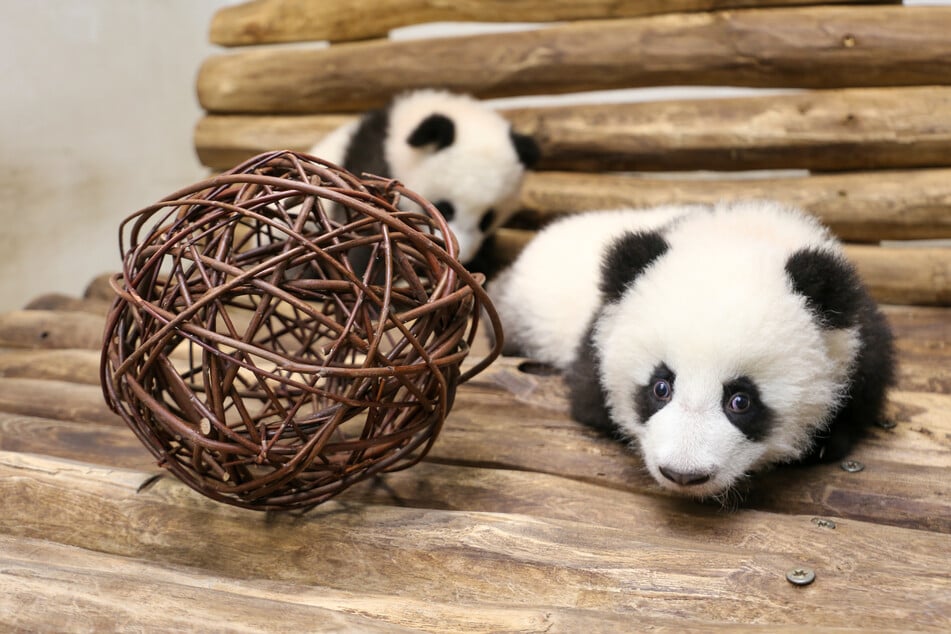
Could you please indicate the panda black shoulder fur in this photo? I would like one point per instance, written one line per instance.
(723, 339)
(449, 148)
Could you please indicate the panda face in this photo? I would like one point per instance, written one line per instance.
(712, 362)
(462, 156)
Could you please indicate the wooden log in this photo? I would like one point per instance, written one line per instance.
(67, 364)
(225, 141)
(59, 301)
(820, 130)
(50, 329)
(99, 288)
(850, 129)
(462, 557)
(47, 587)
(271, 21)
(106, 445)
(766, 48)
(60, 400)
(896, 275)
(858, 207)
(905, 275)
(50, 587)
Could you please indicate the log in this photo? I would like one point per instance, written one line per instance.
(852, 129)
(468, 557)
(51, 329)
(60, 400)
(858, 207)
(99, 288)
(67, 364)
(105, 445)
(898, 275)
(50, 587)
(59, 301)
(272, 21)
(905, 275)
(225, 141)
(822, 130)
(766, 48)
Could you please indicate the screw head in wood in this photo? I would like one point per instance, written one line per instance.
(822, 522)
(852, 466)
(800, 576)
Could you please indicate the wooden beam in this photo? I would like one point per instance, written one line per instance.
(459, 557)
(60, 400)
(46, 586)
(223, 141)
(271, 21)
(50, 329)
(820, 130)
(859, 207)
(767, 48)
(896, 275)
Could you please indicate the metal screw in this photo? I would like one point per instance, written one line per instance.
(801, 576)
(852, 466)
(822, 522)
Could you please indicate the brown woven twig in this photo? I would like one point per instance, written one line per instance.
(283, 331)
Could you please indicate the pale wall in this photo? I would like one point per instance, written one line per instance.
(96, 115)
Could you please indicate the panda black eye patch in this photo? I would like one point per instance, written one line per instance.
(745, 409)
(652, 397)
(485, 223)
(446, 208)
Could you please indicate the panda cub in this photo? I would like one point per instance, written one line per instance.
(450, 149)
(723, 339)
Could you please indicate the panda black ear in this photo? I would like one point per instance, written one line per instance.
(436, 129)
(526, 149)
(628, 257)
(830, 285)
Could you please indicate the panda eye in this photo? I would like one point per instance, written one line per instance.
(662, 390)
(446, 208)
(739, 403)
(488, 218)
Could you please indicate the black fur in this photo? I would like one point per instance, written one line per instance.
(365, 151)
(526, 148)
(757, 421)
(829, 283)
(645, 403)
(836, 295)
(628, 257)
(585, 394)
(872, 374)
(436, 129)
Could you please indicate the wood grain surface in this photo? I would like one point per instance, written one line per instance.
(520, 519)
(853, 46)
(271, 21)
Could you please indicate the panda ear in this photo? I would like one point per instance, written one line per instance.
(526, 149)
(830, 285)
(628, 257)
(436, 129)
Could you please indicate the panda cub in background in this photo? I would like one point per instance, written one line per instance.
(451, 149)
(723, 339)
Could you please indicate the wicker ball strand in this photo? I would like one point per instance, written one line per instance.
(284, 330)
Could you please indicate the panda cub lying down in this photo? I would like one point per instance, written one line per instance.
(722, 339)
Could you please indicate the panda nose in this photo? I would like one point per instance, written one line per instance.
(689, 478)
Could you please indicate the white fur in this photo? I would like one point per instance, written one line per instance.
(547, 298)
(479, 171)
(718, 305)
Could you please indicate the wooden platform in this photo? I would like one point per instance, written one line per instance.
(519, 520)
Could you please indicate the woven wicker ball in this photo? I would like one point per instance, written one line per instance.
(284, 330)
